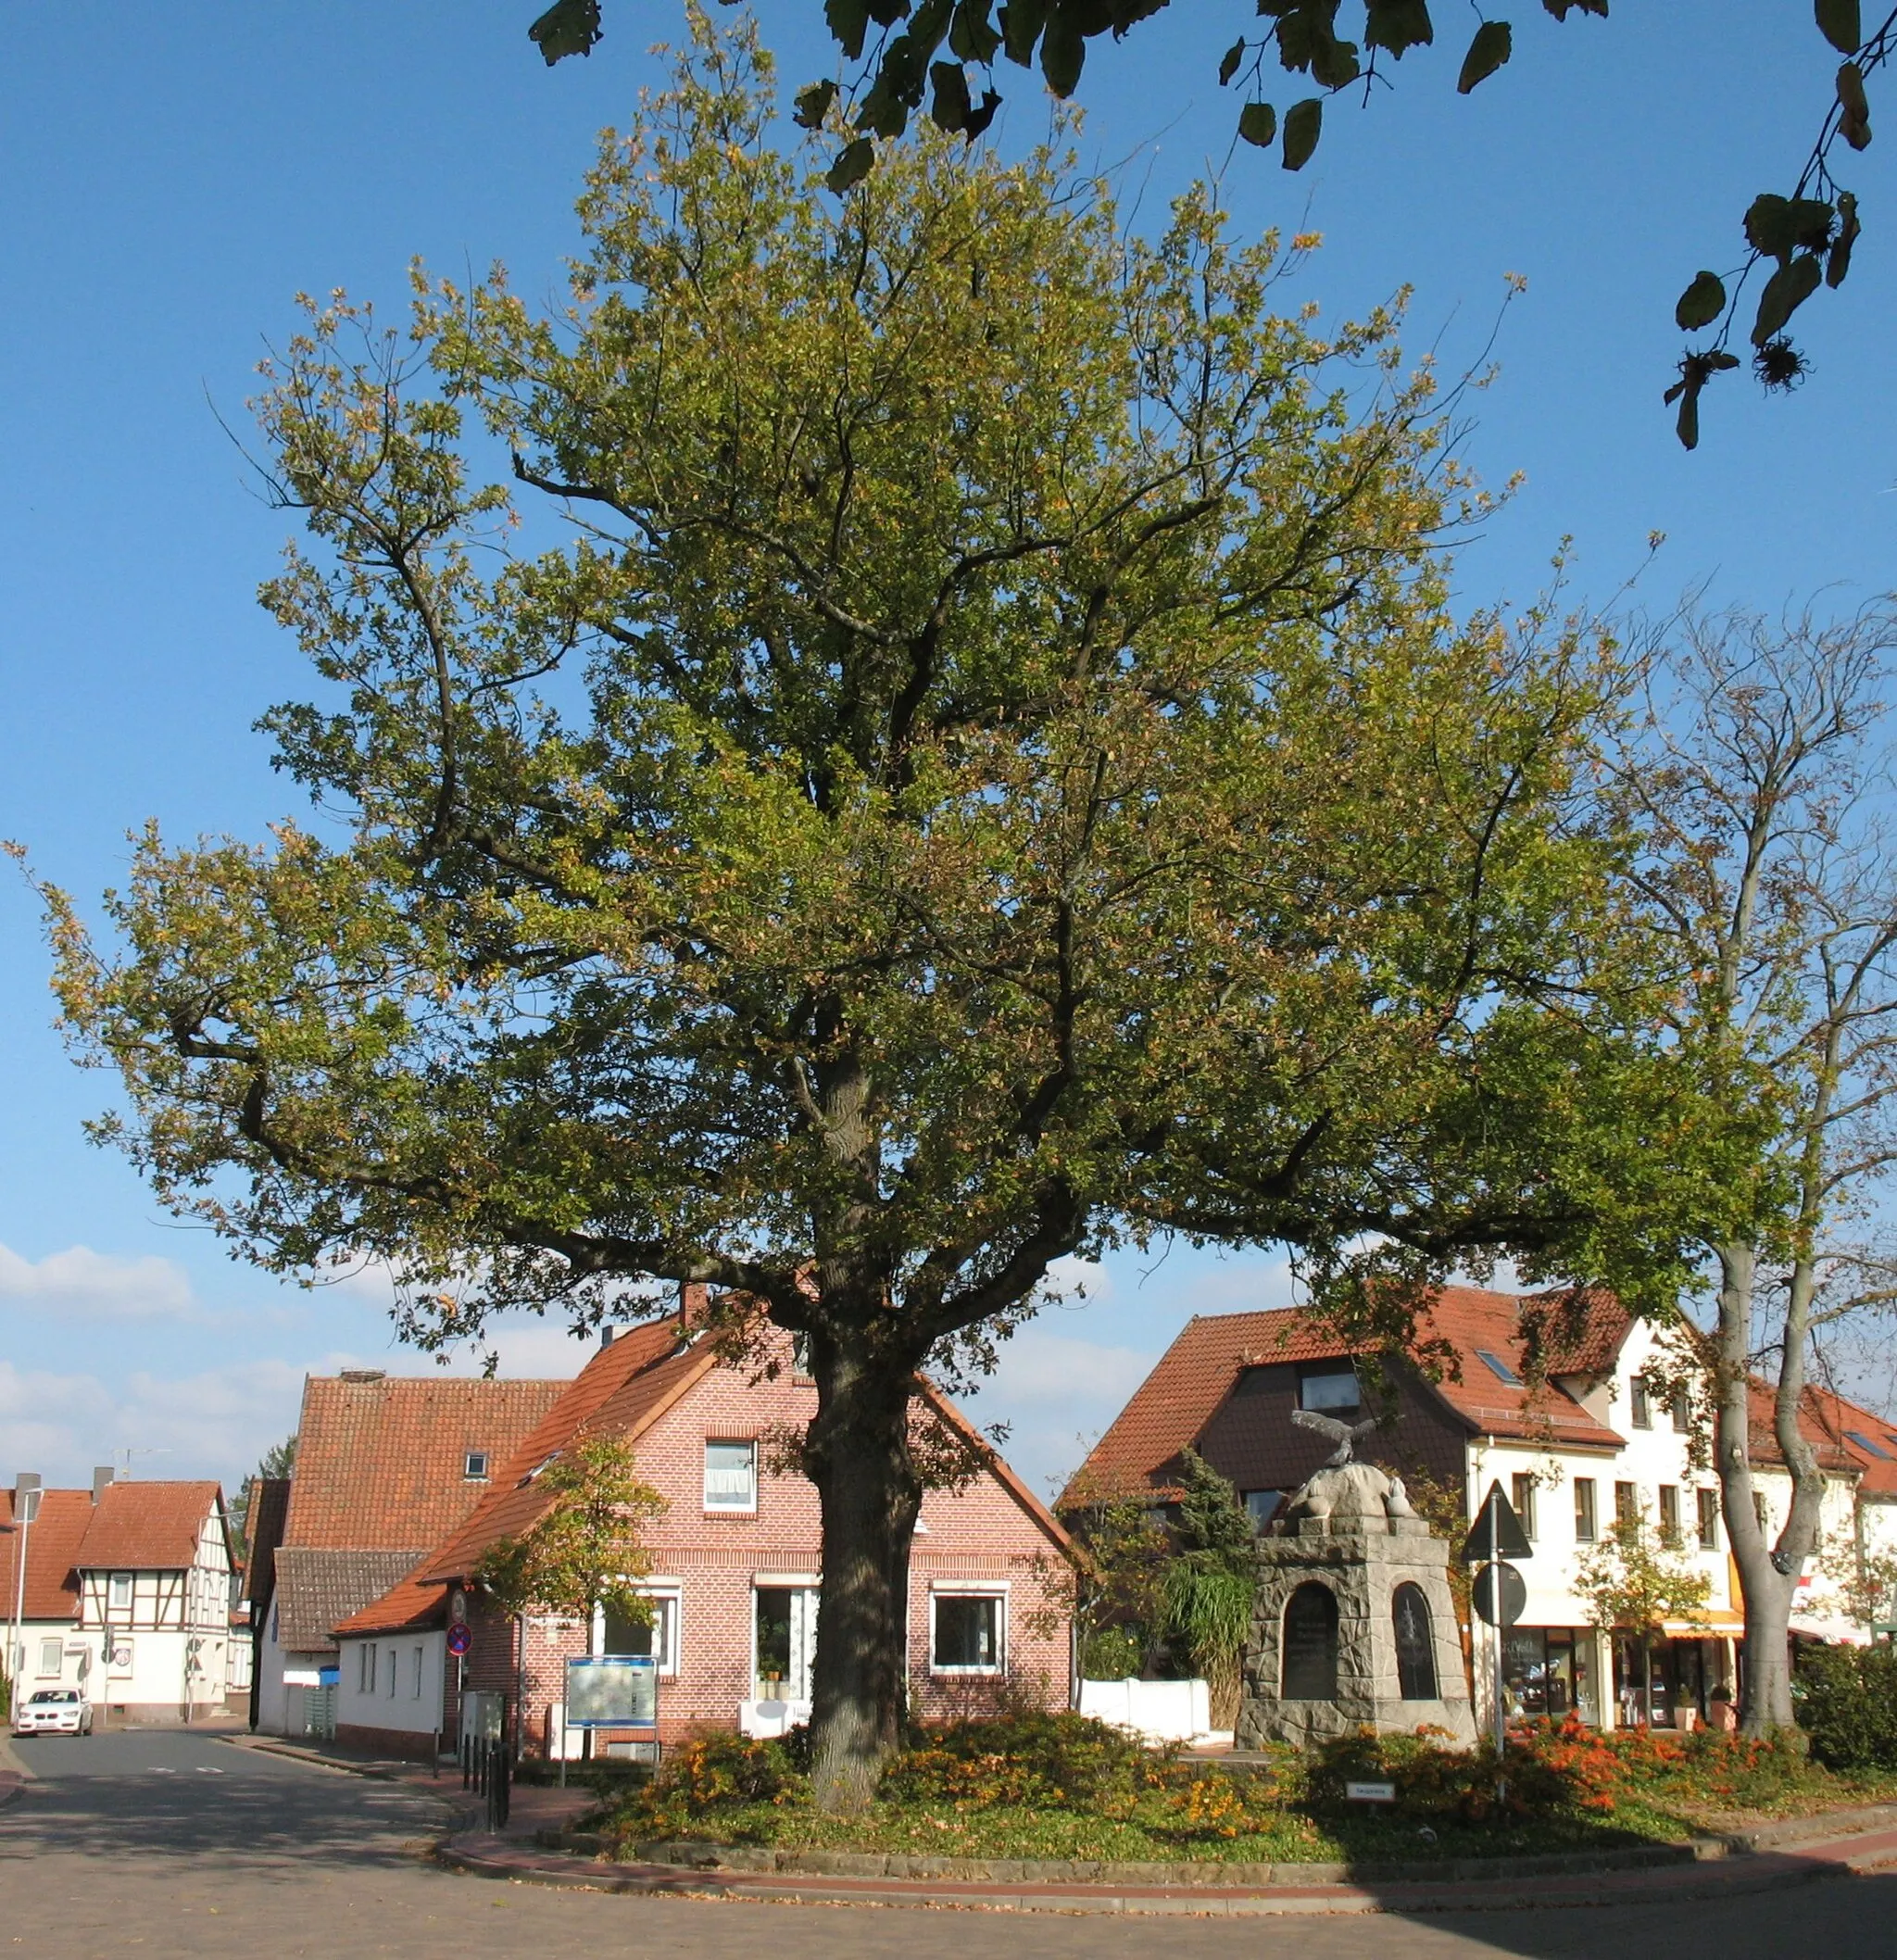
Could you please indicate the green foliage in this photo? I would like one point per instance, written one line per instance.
(1294, 37)
(587, 1548)
(1633, 1580)
(1209, 1584)
(1013, 781)
(1112, 1654)
(1059, 1759)
(1846, 1698)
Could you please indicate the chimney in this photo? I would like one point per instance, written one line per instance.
(102, 1476)
(606, 1335)
(693, 1304)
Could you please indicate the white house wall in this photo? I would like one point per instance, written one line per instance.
(391, 1681)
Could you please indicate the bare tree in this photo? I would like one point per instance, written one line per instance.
(1757, 783)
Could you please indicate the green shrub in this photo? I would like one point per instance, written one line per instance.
(1059, 1760)
(1113, 1654)
(1847, 1705)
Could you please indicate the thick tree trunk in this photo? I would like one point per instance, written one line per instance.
(1768, 1570)
(857, 1454)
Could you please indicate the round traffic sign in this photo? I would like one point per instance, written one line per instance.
(459, 1639)
(1500, 1594)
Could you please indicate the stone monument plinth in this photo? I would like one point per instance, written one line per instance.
(1353, 1622)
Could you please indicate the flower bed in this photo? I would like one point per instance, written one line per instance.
(1063, 1786)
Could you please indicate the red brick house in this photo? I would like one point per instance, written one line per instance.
(736, 1557)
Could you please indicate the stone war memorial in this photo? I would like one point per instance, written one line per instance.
(1353, 1623)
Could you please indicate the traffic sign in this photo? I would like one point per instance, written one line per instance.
(1500, 1594)
(459, 1639)
(1497, 1533)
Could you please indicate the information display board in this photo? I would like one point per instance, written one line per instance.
(613, 1691)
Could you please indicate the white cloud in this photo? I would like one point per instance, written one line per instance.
(80, 1284)
(213, 1424)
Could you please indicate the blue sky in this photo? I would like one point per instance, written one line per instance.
(179, 173)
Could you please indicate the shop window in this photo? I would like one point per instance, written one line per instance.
(966, 1636)
(1708, 1519)
(1310, 1666)
(1643, 1407)
(1587, 1525)
(1522, 1490)
(731, 1476)
(1545, 1672)
(1416, 1644)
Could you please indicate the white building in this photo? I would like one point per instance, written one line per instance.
(129, 1591)
(1594, 1433)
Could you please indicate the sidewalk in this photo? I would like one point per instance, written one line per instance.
(1716, 1870)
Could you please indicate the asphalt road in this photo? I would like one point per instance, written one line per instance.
(178, 1847)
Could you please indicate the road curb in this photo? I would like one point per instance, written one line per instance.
(488, 1857)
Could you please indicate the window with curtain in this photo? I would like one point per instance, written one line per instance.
(965, 1633)
(731, 1476)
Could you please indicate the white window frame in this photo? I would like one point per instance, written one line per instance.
(970, 1589)
(730, 1442)
(415, 1693)
(668, 1621)
(58, 1651)
(469, 1458)
(113, 1602)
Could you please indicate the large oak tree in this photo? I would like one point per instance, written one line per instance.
(885, 743)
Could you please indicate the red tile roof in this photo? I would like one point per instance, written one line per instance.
(1845, 1423)
(1171, 1407)
(620, 1391)
(381, 1461)
(53, 1539)
(1822, 1419)
(148, 1528)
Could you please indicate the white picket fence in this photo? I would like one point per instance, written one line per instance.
(1156, 1711)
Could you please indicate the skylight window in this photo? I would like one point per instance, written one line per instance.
(1498, 1367)
(476, 1465)
(1864, 1442)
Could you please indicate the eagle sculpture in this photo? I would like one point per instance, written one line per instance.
(1345, 1435)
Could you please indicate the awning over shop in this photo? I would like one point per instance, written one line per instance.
(1716, 1623)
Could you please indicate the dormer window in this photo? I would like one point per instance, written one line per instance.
(1329, 1388)
(475, 1467)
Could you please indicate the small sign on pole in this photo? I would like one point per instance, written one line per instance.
(459, 1639)
(1371, 1792)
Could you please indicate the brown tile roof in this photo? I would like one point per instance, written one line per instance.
(263, 1524)
(1171, 1407)
(53, 1539)
(623, 1388)
(410, 1604)
(148, 1528)
(381, 1461)
(318, 1588)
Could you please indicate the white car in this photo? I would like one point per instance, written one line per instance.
(53, 1711)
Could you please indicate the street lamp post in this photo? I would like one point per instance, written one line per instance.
(26, 1508)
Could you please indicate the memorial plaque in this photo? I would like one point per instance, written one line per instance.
(1311, 1645)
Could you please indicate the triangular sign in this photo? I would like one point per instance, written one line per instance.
(1498, 1532)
